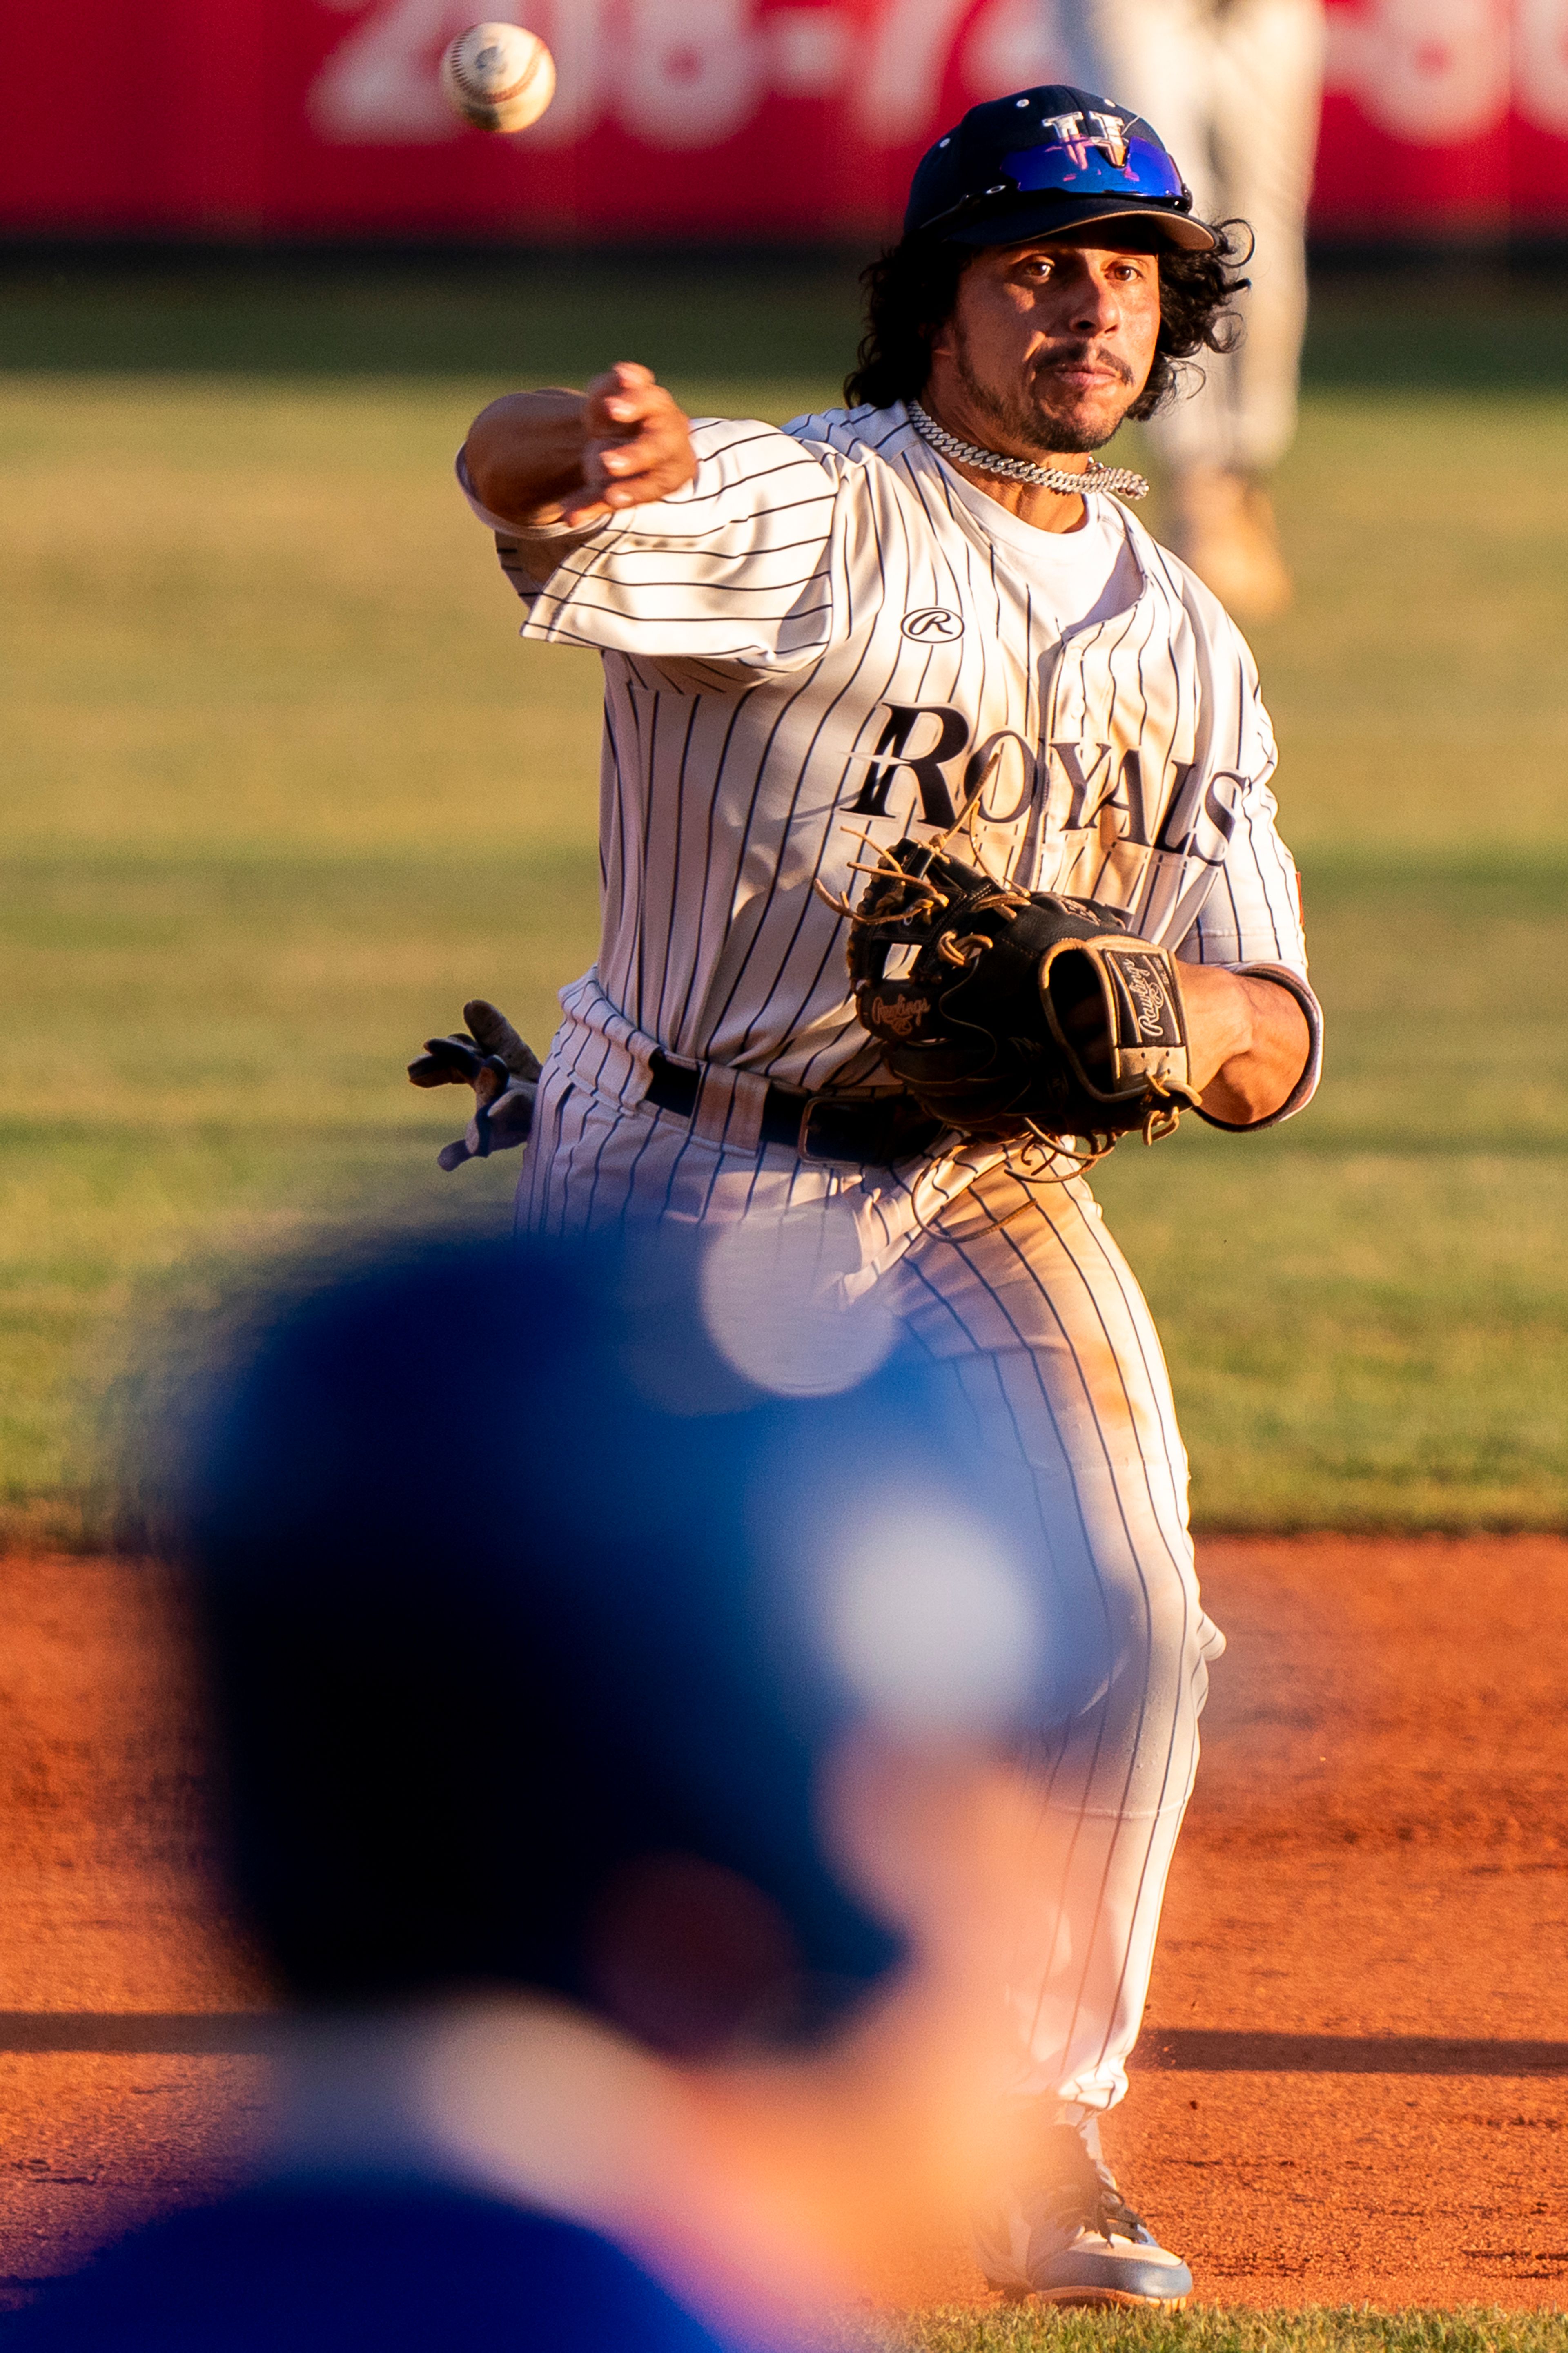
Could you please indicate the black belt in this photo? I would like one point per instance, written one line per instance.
(875, 1130)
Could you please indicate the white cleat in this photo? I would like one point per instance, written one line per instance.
(1071, 2238)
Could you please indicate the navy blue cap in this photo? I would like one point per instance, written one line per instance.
(1048, 160)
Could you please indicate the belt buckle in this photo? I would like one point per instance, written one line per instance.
(808, 1110)
(803, 1132)
(860, 1110)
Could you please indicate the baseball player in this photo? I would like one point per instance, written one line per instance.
(924, 623)
(1239, 84)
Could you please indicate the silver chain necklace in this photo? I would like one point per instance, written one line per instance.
(1119, 480)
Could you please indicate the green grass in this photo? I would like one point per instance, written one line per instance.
(1366, 1311)
(282, 788)
(1353, 2329)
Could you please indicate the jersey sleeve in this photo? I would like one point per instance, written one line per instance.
(735, 568)
(1251, 920)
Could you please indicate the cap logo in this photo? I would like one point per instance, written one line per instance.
(1108, 134)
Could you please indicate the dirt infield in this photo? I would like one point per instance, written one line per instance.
(1353, 2084)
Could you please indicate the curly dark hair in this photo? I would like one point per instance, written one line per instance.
(911, 287)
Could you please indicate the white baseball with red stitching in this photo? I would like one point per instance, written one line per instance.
(498, 77)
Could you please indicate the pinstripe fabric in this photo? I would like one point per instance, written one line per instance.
(759, 666)
(752, 629)
(1052, 1347)
(1048, 1336)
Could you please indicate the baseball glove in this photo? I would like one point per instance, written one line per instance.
(490, 1057)
(1010, 1015)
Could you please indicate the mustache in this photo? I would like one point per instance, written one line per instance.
(1081, 354)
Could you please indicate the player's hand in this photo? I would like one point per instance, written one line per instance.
(636, 444)
(503, 1072)
(1250, 1043)
(535, 460)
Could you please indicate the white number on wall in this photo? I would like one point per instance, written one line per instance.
(1541, 63)
(1433, 72)
(901, 84)
(378, 88)
(691, 71)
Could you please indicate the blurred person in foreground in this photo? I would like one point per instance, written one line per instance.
(1236, 85)
(632, 1853)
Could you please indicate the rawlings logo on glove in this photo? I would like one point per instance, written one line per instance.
(1016, 1014)
(897, 1017)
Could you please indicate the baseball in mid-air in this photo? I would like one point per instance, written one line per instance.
(498, 77)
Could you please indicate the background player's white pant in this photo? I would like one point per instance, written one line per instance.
(1235, 90)
(1047, 1332)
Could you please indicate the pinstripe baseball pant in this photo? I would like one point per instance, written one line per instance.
(1029, 1301)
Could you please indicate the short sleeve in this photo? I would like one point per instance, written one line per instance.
(736, 567)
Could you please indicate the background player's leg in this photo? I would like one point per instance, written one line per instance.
(1052, 1343)
(1267, 91)
(1236, 90)
(1263, 94)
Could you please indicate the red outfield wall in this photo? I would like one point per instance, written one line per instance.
(696, 118)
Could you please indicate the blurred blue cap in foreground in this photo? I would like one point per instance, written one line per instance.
(530, 1621)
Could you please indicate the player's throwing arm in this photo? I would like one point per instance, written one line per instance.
(543, 460)
(540, 459)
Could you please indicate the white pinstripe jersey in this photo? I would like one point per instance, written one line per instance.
(816, 639)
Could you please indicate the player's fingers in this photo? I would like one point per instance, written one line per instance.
(625, 375)
(446, 1062)
(616, 413)
(503, 1119)
(512, 1117)
(497, 1036)
(624, 462)
(630, 473)
(625, 388)
(656, 483)
(602, 493)
(649, 469)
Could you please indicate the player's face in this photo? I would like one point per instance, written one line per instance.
(1049, 346)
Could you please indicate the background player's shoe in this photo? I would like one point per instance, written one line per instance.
(1222, 523)
(1073, 2238)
